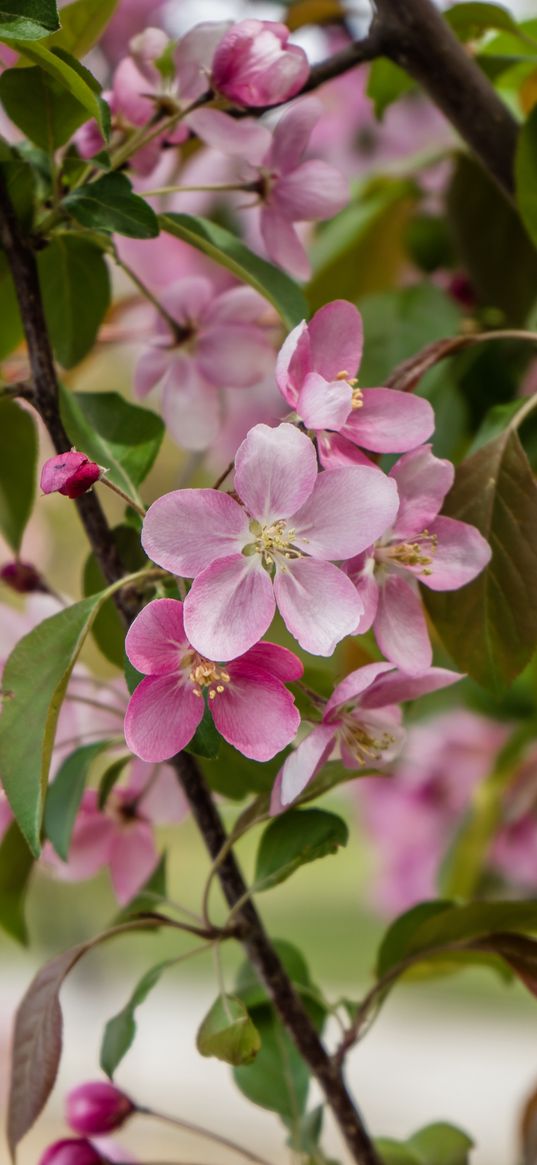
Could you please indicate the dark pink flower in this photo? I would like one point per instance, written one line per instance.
(421, 547)
(72, 1151)
(316, 374)
(362, 717)
(70, 474)
(97, 1107)
(275, 546)
(254, 64)
(250, 705)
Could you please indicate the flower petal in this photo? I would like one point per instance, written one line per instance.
(282, 243)
(423, 481)
(275, 471)
(396, 687)
(229, 607)
(355, 684)
(246, 138)
(293, 363)
(150, 369)
(318, 603)
(191, 407)
(301, 766)
(336, 337)
(401, 628)
(461, 553)
(324, 404)
(336, 451)
(233, 356)
(293, 132)
(132, 860)
(361, 571)
(277, 661)
(348, 509)
(314, 191)
(161, 718)
(255, 713)
(390, 421)
(188, 299)
(157, 638)
(187, 529)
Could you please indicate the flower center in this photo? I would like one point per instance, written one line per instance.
(204, 673)
(273, 542)
(357, 394)
(360, 742)
(417, 554)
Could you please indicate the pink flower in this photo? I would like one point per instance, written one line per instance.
(248, 700)
(72, 1151)
(275, 546)
(222, 341)
(97, 1107)
(70, 474)
(255, 65)
(363, 718)
(316, 373)
(442, 553)
(514, 850)
(289, 188)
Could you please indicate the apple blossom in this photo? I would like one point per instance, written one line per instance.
(274, 547)
(97, 1107)
(362, 717)
(421, 547)
(71, 474)
(316, 374)
(247, 698)
(254, 64)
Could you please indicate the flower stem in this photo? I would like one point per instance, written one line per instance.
(121, 494)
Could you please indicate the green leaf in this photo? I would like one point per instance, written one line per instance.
(18, 457)
(40, 106)
(441, 1144)
(526, 174)
(293, 839)
(469, 21)
(234, 775)
(120, 1031)
(20, 182)
(386, 83)
(36, 677)
(11, 332)
(395, 1152)
(108, 629)
(123, 437)
(227, 1032)
(27, 19)
(278, 1079)
(110, 778)
(65, 794)
(399, 323)
(253, 994)
(435, 925)
(78, 81)
(495, 422)
(490, 626)
(110, 205)
(206, 741)
(16, 864)
(83, 21)
(227, 250)
(76, 294)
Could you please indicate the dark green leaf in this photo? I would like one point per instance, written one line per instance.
(27, 19)
(293, 839)
(11, 332)
(110, 205)
(394, 946)
(233, 775)
(123, 437)
(108, 629)
(18, 456)
(35, 677)
(76, 295)
(40, 106)
(490, 626)
(441, 1144)
(469, 21)
(386, 83)
(278, 1079)
(77, 80)
(20, 185)
(435, 925)
(65, 794)
(132, 676)
(120, 1031)
(227, 1032)
(399, 323)
(206, 741)
(16, 864)
(227, 250)
(526, 174)
(83, 21)
(498, 418)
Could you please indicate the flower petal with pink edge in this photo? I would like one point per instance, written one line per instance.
(318, 603)
(255, 713)
(246, 138)
(156, 639)
(191, 407)
(293, 132)
(324, 404)
(390, 421)
(132, 859)
(336, 337)
(150, 369)
(401, 627)
(164, 802)
(184, 531)
(277, 661)
(361, 571)
(229, 607)
(396, 687)
(461, 554)
(315, 190)
(275, 471)
(423, 481)
(234, 356)
(240, 305)
(347, 510)
(282, 243)
(187, 299)
(301, 766)
(161, 718)
(357, 682)
(336, 451)
(293, 363)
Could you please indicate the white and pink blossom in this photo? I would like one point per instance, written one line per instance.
(255, 65)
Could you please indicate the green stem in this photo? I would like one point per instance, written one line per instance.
(122, 494)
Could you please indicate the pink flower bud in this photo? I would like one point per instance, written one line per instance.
(70, 474)
(22, 577)
(72, 1151)
(96, 1108)
(255, 65)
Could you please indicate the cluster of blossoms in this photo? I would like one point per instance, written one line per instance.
(92, 1111)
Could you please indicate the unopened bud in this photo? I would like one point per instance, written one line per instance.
(70, 474)
(22, 577)
(255, 65)
(97, 1107)
(72, 1151)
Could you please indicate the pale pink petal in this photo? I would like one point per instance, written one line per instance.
(245, 137)
(396, 687)
(232, 356)
(336, 451)
(132, 860)
(400, 626)
(150, 369)
(188, 299)
(423, 481)
(461, 553)
(187, 529)
(357, 682)
(229, 607)
(162, 717)
(191, 408)
(362, 572)
(164, 803)
(348, 509)
(324, 404)
(93, 838)
(293, 132)
(156, 640)
(283, 244)
(315, 190)
(255, 713)
(390, 421)
(301, 766)
(336, 337)
(275, 471)
(240, 305)
(277, 661)
(129, 88)
(293, 363)
(318, 603)
(194, 54)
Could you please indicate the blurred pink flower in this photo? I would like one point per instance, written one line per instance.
(254, 64)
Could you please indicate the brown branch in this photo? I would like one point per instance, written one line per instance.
(409, 372)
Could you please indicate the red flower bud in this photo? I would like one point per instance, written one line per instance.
(97, 1107)
(72, 1151)
(70, 474)
(22, 577)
